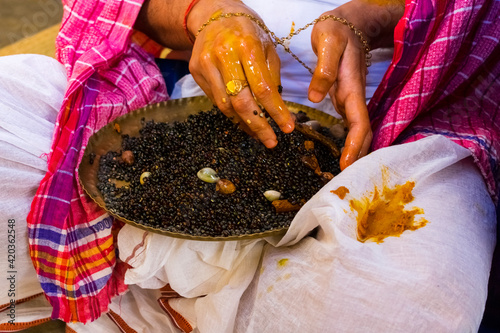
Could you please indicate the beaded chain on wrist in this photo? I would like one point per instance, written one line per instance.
(285, 40)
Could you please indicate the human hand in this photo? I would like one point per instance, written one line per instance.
(236, 48)
(341, 69)
(341, 72)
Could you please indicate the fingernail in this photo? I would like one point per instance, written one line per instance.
(287, 128)
(315, 96)
(270, 143)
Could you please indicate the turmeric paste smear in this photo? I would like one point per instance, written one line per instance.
(385, 215)
(341, 192)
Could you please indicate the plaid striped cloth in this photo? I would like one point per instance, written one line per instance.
(70, 237)
(445, 79)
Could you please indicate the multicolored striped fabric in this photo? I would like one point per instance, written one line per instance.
(70, 237)
(445, 79)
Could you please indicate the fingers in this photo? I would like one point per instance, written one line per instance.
(329, 49)
(243, 102)
(359, 136)
(242, 52)
(350, 100)
(273, 64)
(249, 112)
(220, 66)
(341, 72)
(263, 78)
(213, 85)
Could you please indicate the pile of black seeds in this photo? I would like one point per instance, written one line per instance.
(174, 199)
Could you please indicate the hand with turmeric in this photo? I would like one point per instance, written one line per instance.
(341, 69)
(233, 59)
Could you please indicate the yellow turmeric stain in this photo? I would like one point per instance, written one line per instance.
(384, 215)
(341, 192)
(262, 269)
(282, 263)
(284, 277)
(270, 288)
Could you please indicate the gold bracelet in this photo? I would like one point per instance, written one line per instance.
(357, 32)
(284, 41)
(228, 15)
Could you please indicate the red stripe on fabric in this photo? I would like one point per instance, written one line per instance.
(86, 266)
(167, 291)
(176, 317)
(118, 320)
(137, 247)
(4, 307)
(70, 330)
(16, 327)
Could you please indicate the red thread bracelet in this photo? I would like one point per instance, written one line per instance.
(184, 23)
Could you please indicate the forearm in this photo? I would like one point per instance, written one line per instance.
(375, 18)
(162, 20)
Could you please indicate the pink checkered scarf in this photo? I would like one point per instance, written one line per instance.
(70, 237)
(445, 79)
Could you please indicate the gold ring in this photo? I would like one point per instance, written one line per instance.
(234, 87)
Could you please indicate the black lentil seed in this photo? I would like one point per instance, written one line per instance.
(174, 199)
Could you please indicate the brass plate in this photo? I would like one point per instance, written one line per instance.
(108, 139)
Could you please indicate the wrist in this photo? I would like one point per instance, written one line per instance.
(200, 12)
(203, 10)
(375, 18)
(184, 23)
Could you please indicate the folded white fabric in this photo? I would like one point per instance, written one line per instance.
(431, 279)
(216, 272)
(137, 309)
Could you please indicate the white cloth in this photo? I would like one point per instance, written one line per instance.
(432, 279)
(138, 308)
(219, 270)
(295, 78)
(31, 92)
